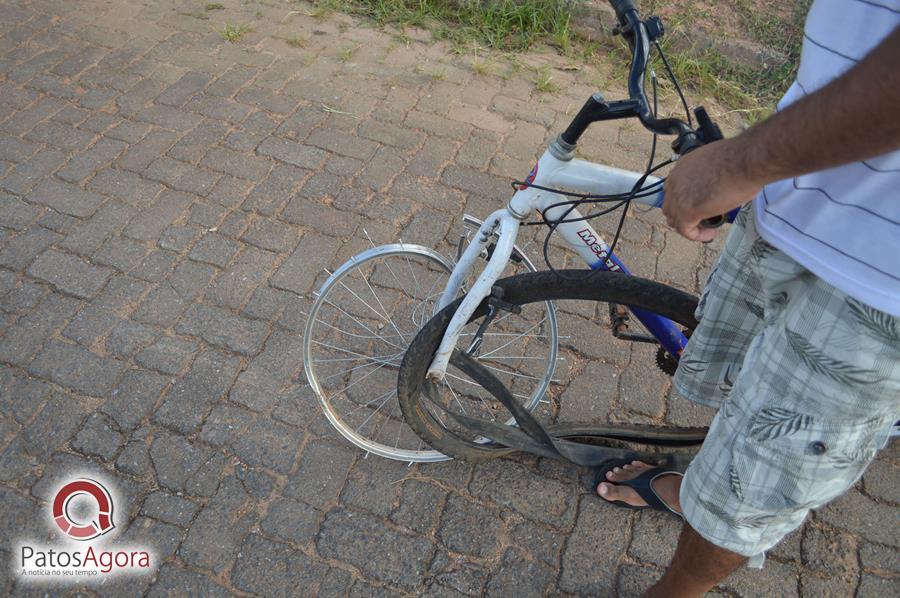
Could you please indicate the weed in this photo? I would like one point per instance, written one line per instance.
(195, 15)
(482, 67)
(258, 15)
(214, 6)
(404, 39)
(439, 75)
(296, 42)
(319, 11)
(347, 53)
(513, 65)
(233, 33)
(543, 82)
(331, 110)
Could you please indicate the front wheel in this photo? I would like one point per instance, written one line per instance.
(428, 409)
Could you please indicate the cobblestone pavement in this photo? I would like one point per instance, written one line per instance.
(168, 202)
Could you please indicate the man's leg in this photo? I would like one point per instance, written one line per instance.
(697, 565)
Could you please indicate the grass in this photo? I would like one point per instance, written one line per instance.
(195, 15)
(233, 33)
(482, 67)
(214, 6)
(347, 53)
(543, 81)
(499, 24)
(296, 42)
(510, 26)
(753, 91)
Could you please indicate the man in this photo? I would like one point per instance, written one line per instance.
(799, 336)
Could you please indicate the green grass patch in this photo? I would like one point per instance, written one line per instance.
(347, 53)
(296, 41)
(214, 6)
(233, 33)
(752, 91)
(544, 83)
(498, 24)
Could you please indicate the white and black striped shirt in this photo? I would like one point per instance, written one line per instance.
(843, 224)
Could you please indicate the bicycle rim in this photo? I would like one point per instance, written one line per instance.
(358, 329)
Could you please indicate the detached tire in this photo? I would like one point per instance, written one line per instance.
(608, 287)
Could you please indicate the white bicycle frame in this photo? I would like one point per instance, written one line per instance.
(551, 171)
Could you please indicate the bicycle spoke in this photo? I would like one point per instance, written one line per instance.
(354, 318)
(348, 351)
(358, 380)
(386, 396)
(375, 311)
(370, 357)
(413, 274)
(364, 365)
(456, 397)
(361, 336)
(389, 319)
(544, 319)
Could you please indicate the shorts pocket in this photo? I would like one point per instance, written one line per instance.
(789, 460)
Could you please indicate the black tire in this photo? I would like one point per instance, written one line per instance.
(607, 287)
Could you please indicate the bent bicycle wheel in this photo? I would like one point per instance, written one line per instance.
(430, 411)
(362, 322)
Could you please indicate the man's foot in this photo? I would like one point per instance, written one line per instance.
(666, 486)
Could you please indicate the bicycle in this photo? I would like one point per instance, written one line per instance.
(450, 371)
(660, 309)
(508, 326)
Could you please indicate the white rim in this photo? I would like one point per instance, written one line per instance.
(336, 421)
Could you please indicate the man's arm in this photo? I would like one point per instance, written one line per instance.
(852, 118)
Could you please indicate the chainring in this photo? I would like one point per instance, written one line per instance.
(666, 362)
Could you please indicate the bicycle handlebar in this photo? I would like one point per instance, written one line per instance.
(622, 6)
(638, 38)
(635, 31)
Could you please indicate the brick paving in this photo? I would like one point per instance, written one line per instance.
(167, 204)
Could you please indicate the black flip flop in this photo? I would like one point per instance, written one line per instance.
(641, 484)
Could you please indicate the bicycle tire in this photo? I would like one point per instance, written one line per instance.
(610, 287)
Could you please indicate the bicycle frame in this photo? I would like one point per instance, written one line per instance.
(556, 168)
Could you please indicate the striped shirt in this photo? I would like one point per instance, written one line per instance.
(842, 224)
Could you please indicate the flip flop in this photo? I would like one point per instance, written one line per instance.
(641, 484)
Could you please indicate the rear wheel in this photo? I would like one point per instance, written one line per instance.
(428, 408)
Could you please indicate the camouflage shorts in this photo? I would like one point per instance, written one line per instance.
(807, 384)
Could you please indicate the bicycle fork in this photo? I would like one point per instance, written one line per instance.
(508, 226)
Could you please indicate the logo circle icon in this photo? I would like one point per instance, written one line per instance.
(79, 530)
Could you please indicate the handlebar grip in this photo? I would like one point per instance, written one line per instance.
(714, 222)
(717, 221)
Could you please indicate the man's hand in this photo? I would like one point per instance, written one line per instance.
(706, 182)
